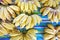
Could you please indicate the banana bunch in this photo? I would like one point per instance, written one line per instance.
(28, 5)
(50, 3)
(27, 21)
(5, 28)
(28, 35)
(53, 14)
(6, 2)
(8, 12)
(52, 33)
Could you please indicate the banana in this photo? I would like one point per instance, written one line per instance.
(30, 6)
(15, 8)
(34, 6)
(29, 22)
(7, 15)
(11, 12)
(47, 10)
(38, 19)
(19, 4)
(34, 18)
(8, 26)
(54, 4)
(24, 18)
(37, 3)
(2, 16)
(50, 14)
(17, 23)
(22, 6)
(23, 21)
(47, 36)
(3, 30)
(26, 7)
(18, 18)
(43, 1)
(5, 3)
(9, 1)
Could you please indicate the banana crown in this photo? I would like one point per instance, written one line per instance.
(52, 32)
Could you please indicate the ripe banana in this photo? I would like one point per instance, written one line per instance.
(50, 3)
(28, 5)
(27, 21)
(51, 32)
(6, 2)
(16, 35)
(7, 12)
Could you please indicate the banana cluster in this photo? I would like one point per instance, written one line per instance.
(28, 35)
(28, 5)
(53, 14)
(50, 3)
(5, 28)
(8, 12)
(6, 2)
(26, 20)
(52, 33)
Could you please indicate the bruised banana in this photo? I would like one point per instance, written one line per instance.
(8, 12)
(27, 21)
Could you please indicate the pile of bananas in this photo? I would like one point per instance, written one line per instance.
(7, 12)
(29, 34)
(50, 3)
(52, 33)
(9, 29)
(28, 5)
(53, 14)
(6, 2)
(27, 21)
(21, 13)
(5, 28)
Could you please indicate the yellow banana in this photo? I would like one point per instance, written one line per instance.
(22, 6)
(38, 19)
(29, 22)
(26, 7)
(17, 23)
(3, 30)
(50, 15)
(9, 1)
(8, 26)
(30, 6)
(18, 18)
(37, 3)
(2, 16)
(15, 8)
(19, 4)
(34, 18)
(7, 15)
(11, 12)
(47, 10)
(24, 18)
